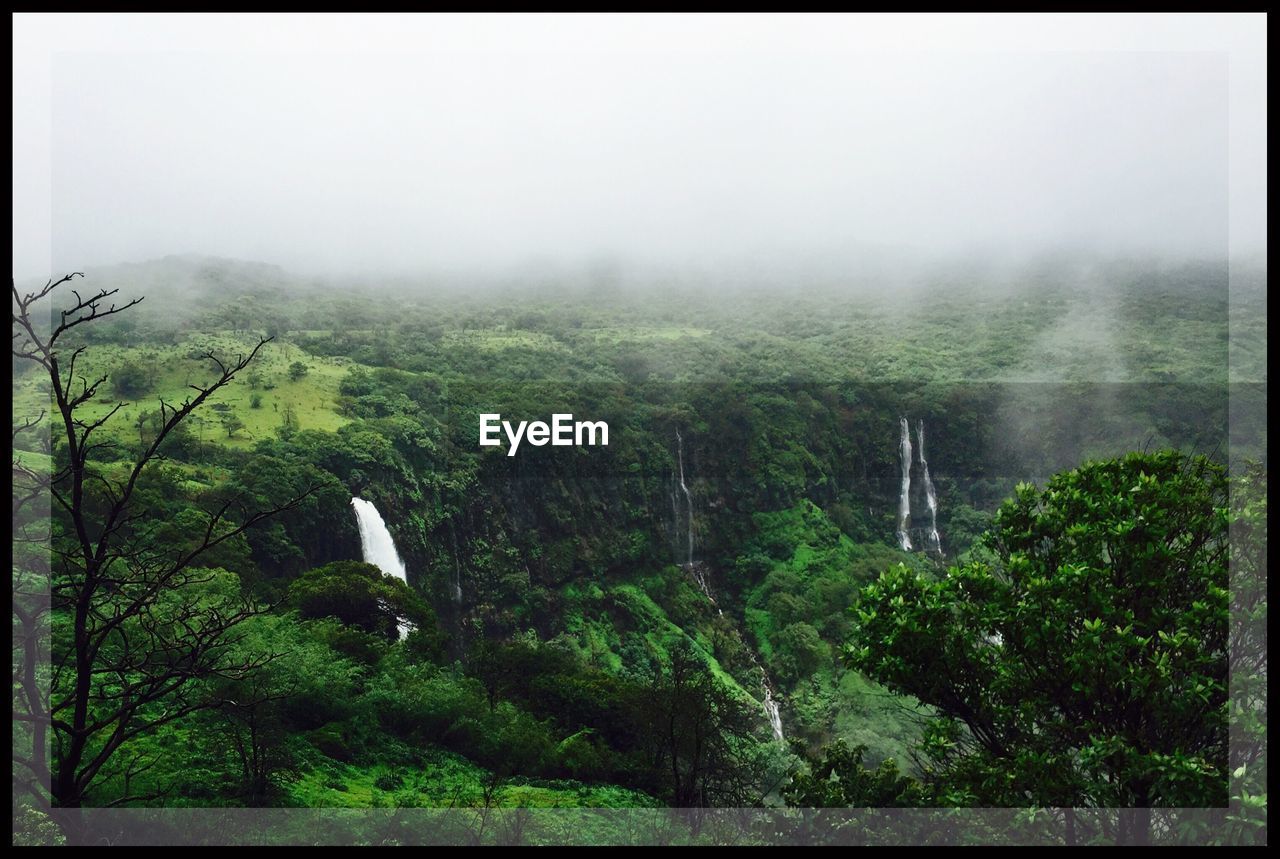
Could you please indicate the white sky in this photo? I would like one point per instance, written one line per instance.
(350, 143)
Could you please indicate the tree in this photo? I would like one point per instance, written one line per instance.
(261, 712)
(297, 370)
(358, 594)
(288, 423)
(231, 422)
(800, 651)
(1247, 822)
(135, 629)
(130, 380)
(143, 420)
(839, 779)
(704, 735)
(1083, 660)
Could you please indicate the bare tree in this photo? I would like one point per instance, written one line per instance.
(134, 632)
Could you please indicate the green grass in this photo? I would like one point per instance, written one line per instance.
(171, 370)
(444, 780)
(40, 463)
(641, 334)
(662, 633)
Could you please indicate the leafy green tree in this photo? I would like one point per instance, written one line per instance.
(800, 651)
(143, 422)
(504, 667)
(1083, 661)
(297, 370)
(305, 687)
(358, 594)
(839, 779)
(231, 423)
(288, 423)
(703, 734)
(130, 380)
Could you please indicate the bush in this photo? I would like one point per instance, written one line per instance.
(131, 380)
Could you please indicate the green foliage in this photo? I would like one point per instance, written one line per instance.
(550, 678)
(131, 380)
(1084, 663)
(1247, 821)
(358, 594)
(840, 779)
(231, 422)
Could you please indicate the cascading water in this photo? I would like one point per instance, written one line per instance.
(705, 588)
(676, 520)
(689, 564)
(930, 496)
(376, 545)
(771, 709)
(688, 496)
(904, 492)
(375, 540)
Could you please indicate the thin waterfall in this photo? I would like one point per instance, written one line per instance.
(377, 546)
(904, 492)
(688, 496)
(701, 579)
(677, 520)
(930, 496)
(694, 569)
(771, 709)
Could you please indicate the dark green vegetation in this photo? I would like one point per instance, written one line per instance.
(583, 664)
(1080, 660)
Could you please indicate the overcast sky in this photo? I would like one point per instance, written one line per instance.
(346, 144)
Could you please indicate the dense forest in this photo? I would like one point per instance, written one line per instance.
(760, 594)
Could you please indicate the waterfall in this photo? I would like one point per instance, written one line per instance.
(904, 493)
(771, 706)
(377, 546)
(930, 496)
(688, 496)
(701, 579)
(771, 709)
(375, 541)
(676, 519)
(689, 564)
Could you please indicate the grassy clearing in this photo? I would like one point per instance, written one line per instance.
(171, 369)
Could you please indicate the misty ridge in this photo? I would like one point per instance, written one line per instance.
(626, 170)
(1092, 312)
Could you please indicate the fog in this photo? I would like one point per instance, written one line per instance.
(423, 144)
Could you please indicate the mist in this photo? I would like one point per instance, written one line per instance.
(574, 142)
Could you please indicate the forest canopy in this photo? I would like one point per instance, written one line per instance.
(714, 610)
